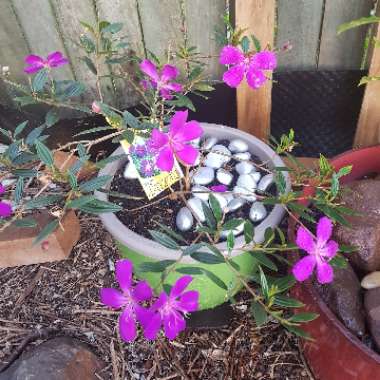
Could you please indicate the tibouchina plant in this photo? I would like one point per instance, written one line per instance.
(161, 137)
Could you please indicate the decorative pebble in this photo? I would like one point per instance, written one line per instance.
(184, 219)
(130, 171)
(371, 281)
(235, 204)
(196, 142)
(265, 182)
(244, 167)
(224, 176)
(256, 176)
(201, 192)
(221, 200)
(245, 156)
(218, 156)
(209, 142)
(238, 146)
(246, 181)
(203, 176)
(257, 212)
(229, 196)
(237, 231)
(196, 207)
(244, 193)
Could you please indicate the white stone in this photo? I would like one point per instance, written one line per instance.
(195, 143)
(201, 192)
(256, 176)
(235, 204)
(246, 181)
(265, 182)
(241, 192)
(371, 280)
(221, 200)
(203, 176)
(229, 196)
(209, 142)
(245, 167)
(195, 205)
(224, 176)
(257, 212)
(130, 171)
(218, 156)
(245, 156)
(237, 231)
(238, 146)
(8, 182)
(184, 220)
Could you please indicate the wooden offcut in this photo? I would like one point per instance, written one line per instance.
(254, 106)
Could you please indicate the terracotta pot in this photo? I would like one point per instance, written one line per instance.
(335, 353)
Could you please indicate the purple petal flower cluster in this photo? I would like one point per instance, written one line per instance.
(248, 65)
(219, 188)
(320, 251)
(168, 311)
(162, 81)
(5, 208)
(37, 63)
(176, 142)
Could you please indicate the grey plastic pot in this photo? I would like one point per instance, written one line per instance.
(139, 249)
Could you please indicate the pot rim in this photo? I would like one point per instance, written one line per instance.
(338, 162)
(153, 249)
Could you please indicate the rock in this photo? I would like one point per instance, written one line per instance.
(209, 142)
(265, 182)
(257, 212)
(244, 156)
(222, 200)
(195, 205)
(130, 171)
(235, 204)
(372, 307)
(343, 297)
(201, 192)
(242, 192)
(256, 176)
(247, 182)
(203, 176)
(238, 146)
(57, 359)
(224, 176)
(184, 220)
(195, 143)
(371, 281)
(218, 156)
(245, 167)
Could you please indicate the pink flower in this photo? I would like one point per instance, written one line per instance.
(5, 210)
(250, 66)
(36, 63)
(176, 142)
(2, 189)
(128, 299)
(219, 188)
(168, 310)
(95, 107)
(320, 252)
(161, 81)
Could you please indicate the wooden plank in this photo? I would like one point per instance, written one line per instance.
(346, 50)
(254, 106)
(368, 131)
(299, 22)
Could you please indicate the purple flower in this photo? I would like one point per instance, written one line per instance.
(5, 209)
(128, 299)
(219, 188)
(161, 81)
(147, 167)
(2, 189)
(250, 66)
(176, 142)
(36, 63)
(320, 252)
(169, 310)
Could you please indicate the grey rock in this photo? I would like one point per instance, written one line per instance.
(256, 176)
(209, 142)
(247, 182)
(372, 308)
(130, 171)
(245, 156)
(258, 212)
(222, 200)
(238, 146)
(184, 219)
(235, 204)
(203, 176)
(244, 193)
(201, 192)
(195, 205)
(244, 167)
(218, 156)
(265, 182)
(224, 176)
(371, 280)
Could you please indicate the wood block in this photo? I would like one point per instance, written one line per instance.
(16, 244)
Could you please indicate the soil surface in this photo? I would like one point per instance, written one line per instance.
(41, 301)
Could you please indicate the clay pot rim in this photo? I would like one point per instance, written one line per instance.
(339, 161)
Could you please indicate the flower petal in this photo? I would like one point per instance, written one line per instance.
(150, 69)
(234, 76)
(169, 72)
(264, 60)
(165, 93)
(331, 249)
(187, 155)
(152, 327)
(303, 268)
(34, 60)
(324, 229)
(33, 69)
(127, 326)
(165, 159)
(255, 78)
(143, 315)
(56, 59)
(158, 139)
(188, 301)
(305, 240)
(231, 55)
(124, 273)
(177, 122)
(174, 323)
(142, 291)
(176, 87)
(2, 189)
(190, 131)
(325, 273)
(5, 210)
(219, 188)
(112, 298)
(180, 285)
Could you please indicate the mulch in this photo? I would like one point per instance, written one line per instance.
(62, 298)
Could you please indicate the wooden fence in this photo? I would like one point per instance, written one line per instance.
(43, 26)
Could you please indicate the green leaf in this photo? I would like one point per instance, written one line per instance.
(259, 313)
(182, 101)
(299, 332)
(87, 44)
(87, 27)
(164, 239)
(33, 135)
(131, 120)
(42, 201)
(263, 259)
(102, 25)
(155, 267)
(344, 171)
(249, 231)
(39, 80)
(24, 158)
(189, 270)
(72, 90)
(285, 301)
(303, 317)
(215, 207)
(95, 183)
(203, 87)
(334, 185)
(245, 44)
(206, 258)
(90, 65)
(99, 207)
(171, 233)
(51, 117)
(280, 182)
(230, 241)
(333, 214)
(192, 248)
(215, 279)
(338, 262)
(93, 130)
(19, 190)
(46, 231)
(232, 224)
(284, 283)
(324, 166)
(269, 236)
(25, 223)
(264, 283)
(44, 153)
(348, 248)
(78, 202)
(25, 100)
(25, 173)
(72, 180)
(210, 219)
(358, 22)
(368, 79)
(113, 28)
(256, 42)
(20, 128)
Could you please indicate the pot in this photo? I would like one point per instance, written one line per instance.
(139, 249)
(336, 353)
